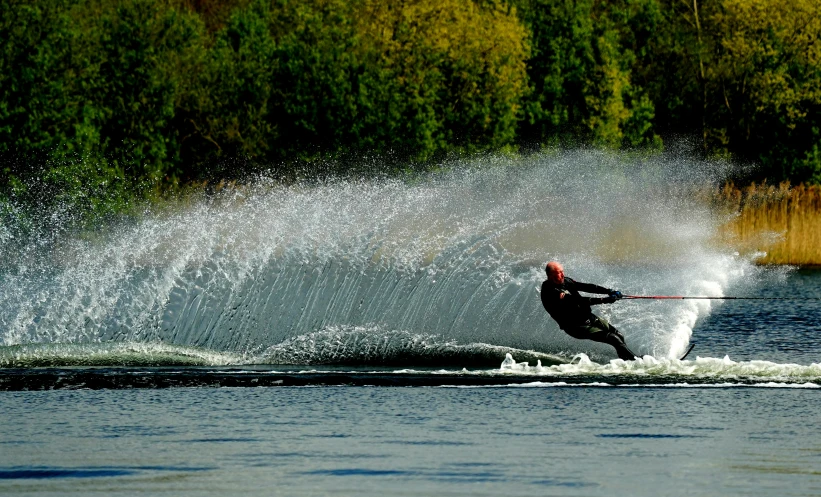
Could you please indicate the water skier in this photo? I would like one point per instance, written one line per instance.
(561, 299)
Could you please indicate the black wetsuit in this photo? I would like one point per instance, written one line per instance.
(572, 313)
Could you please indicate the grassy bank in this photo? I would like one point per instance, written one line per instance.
(783, 221)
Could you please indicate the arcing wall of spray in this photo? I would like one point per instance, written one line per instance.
(457, 255)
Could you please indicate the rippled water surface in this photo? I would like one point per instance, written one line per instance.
(776, 330)
(412, 441)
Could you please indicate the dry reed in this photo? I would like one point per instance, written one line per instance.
(782, 221)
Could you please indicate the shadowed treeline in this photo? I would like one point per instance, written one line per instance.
(102, 100)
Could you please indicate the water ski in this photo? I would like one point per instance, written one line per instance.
(689, 349)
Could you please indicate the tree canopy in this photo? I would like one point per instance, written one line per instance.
(123, 97)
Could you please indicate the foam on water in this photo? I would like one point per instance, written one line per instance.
(111, 354)
(265, 269)
(701, 368)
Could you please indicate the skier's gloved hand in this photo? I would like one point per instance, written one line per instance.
(609, 300)
(616, 294)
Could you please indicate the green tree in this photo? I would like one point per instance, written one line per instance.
(581, 73)
(744, 77)
(96, 82)
(458, 67)
(138, 58)
(766, 85)
(37, 96)
(331, 77)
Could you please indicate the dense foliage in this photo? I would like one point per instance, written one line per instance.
(101, 100)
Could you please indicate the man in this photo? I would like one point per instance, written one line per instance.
(561, 299)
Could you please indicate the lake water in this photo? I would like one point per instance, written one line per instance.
(412, 441)
(386, 338)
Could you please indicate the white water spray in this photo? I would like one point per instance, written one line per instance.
(457, 255)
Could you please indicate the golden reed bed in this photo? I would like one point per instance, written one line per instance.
(783, 221)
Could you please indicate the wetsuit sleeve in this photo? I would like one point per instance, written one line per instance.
(591, 288)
